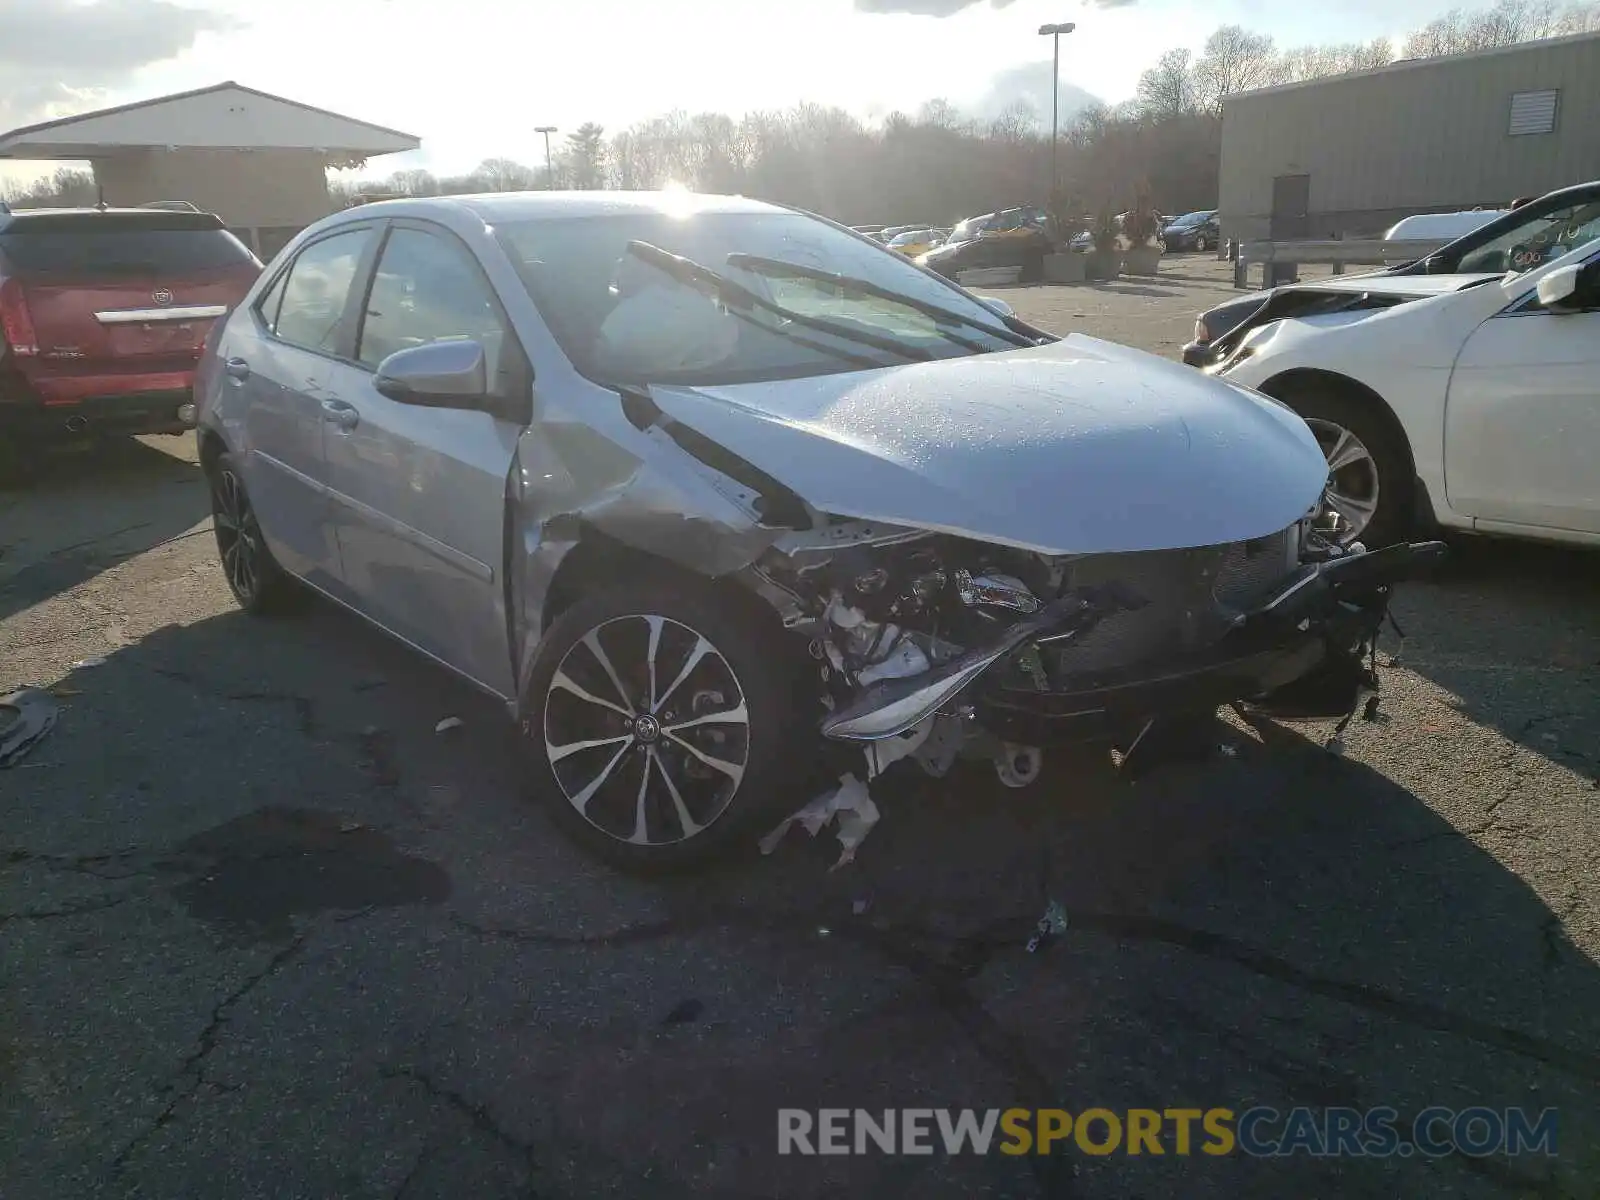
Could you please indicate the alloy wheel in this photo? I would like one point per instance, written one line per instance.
(646, 730)
(238, 534)
(1353, 484)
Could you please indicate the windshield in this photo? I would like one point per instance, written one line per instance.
(1536, 242)
(911, 239)
(1536, 238)
(1194, 218)
(619, 318)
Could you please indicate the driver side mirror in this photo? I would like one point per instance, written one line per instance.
(1571, 289)
(437, 375)
(997, 305)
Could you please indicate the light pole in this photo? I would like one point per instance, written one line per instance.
(549, 173)
(1054, 32)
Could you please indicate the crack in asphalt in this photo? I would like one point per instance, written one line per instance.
(1009, 935)
(304, 707)
(945, 981)
(1568, 1060)
(192, 1068)
(477, 1114)
(68, 910)
(410, 1176)
(81, 864)
(1336, 1089)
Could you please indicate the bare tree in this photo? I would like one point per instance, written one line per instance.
(65, 187)
(505, 175)
(1234, 60)
(1167, 90)
(1017, 123)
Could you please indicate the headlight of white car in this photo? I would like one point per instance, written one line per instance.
(1251, 345)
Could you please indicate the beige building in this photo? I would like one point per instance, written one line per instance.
(1353, 154)
(256, 160)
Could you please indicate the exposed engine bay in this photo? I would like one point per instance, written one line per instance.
(905, 629)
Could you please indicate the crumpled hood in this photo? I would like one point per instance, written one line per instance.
(1077, 447)
(1381, 284)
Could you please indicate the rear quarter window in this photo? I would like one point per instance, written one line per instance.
(113, 252)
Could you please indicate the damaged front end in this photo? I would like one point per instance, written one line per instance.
(935, 647)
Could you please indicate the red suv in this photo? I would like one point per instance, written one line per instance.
(103, 315)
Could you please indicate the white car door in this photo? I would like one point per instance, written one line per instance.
(419, 494)
(1522, 419)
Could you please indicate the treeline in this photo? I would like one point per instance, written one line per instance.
(937, 165)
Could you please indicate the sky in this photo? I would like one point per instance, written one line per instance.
(473, 77)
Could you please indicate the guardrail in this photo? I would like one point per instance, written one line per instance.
(1340, 252)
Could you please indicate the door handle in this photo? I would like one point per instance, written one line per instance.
(237, 368)
(337, 412)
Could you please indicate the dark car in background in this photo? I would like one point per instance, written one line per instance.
(1518, 241)
(103, 315)
(1197, 231)
(1013, 237)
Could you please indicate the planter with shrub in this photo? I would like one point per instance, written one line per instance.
(1105, 260)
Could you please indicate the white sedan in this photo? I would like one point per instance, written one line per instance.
(1478, 409)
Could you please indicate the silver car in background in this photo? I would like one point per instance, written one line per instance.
(699, 486)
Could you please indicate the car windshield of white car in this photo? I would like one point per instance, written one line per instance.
(1536, 241)
(620, 319)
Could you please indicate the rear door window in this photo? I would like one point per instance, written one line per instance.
(105, 247)
(317, 290)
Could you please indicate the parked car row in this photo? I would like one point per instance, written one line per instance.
(1458, 392)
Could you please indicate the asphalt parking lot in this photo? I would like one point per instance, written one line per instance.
(264, 932)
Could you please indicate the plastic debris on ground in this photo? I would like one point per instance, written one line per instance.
(448, 724)
(98, 660)
(887, 751)
(848, 807)
(25, 717)
(1052, 924)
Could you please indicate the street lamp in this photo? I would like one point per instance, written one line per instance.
(1054, 32)
(549, 174)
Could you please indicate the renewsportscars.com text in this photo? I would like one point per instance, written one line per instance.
(1259, 1132)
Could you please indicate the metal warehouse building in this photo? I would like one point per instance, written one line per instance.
(257, 160)
(1353, 154)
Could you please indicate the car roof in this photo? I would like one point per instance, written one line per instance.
(63, 219)
(495, 207)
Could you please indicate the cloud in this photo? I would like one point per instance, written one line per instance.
(949, 8)
(924, 8)
(62, 56)
(1029, 84)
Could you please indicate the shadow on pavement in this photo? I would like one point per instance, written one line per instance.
(1517, 642)
(1277, 926)
(90, 508)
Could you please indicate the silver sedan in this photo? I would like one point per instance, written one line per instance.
(713, 492)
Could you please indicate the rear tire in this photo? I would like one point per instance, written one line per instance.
(1370, 475)
(257, 582)
(664, 724)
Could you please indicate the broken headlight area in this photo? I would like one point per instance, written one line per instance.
(933, 647)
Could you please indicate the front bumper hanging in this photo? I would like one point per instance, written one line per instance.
(1302, 654)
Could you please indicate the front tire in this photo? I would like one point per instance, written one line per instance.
(257, 582)
(1370, 483)
(1201, 244)
(663, 724)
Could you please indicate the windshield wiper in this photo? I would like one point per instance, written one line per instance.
(736, 296)
(757, 265)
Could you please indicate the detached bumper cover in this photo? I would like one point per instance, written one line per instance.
(1300, 654)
